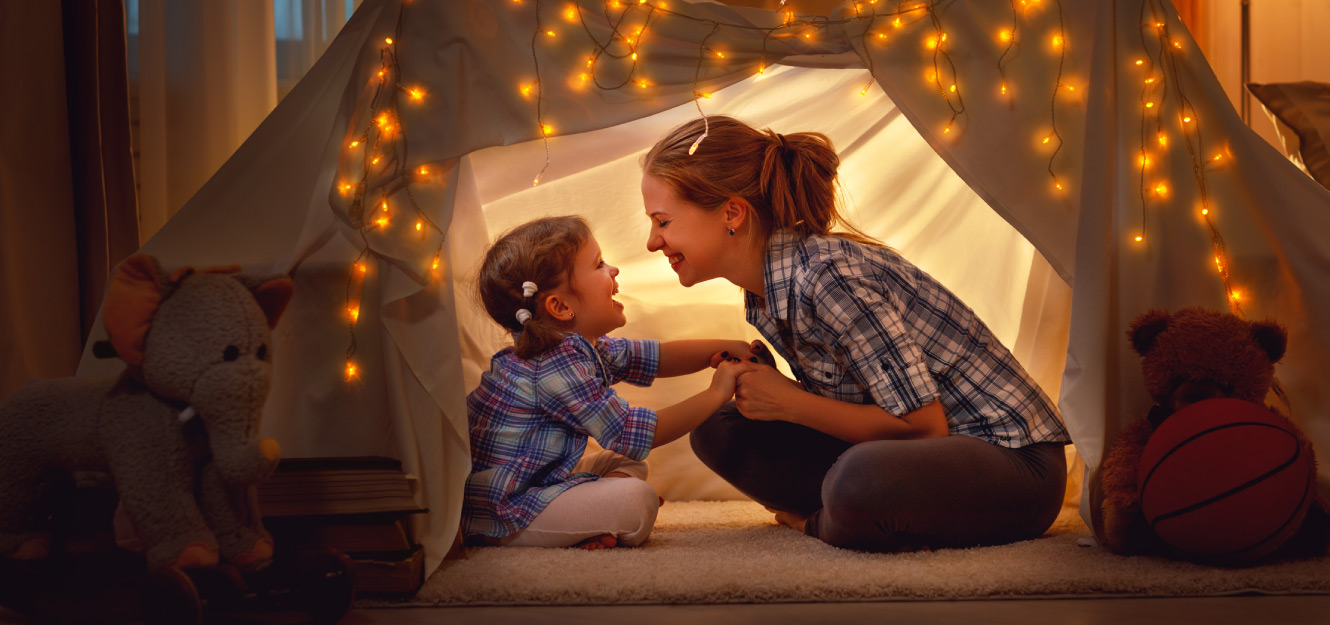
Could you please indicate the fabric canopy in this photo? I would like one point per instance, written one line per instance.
(1000, 145)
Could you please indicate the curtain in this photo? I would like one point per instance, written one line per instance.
(68, 208)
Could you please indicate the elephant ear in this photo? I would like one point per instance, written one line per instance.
(132, 300)
(272, 293)
(1271, 337)
(1146, 328)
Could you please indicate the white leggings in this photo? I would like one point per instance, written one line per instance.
(623, 507)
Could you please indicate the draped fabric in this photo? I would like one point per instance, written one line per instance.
(962, 182)
(68, 206)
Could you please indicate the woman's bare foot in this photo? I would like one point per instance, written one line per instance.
(596, 543)
(792, 520)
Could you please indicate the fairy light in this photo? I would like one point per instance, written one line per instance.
(354, 312)
(424, 171)
(351, 370)
(355, 143)
(416, 94)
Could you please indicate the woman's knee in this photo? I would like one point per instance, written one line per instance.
(714, 438)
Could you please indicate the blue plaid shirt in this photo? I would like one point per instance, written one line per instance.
(860, 324)
(530, 419)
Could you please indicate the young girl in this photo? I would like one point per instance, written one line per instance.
(530, 482)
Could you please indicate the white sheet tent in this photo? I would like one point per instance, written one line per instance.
(1057, 273)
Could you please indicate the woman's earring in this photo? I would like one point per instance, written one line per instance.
(731, 231)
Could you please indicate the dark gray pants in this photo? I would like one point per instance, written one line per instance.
(957, 491)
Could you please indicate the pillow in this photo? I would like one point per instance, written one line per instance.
(1301, 112)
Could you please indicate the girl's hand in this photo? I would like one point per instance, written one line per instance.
(763, 394)
(755, 352)
(726, 377)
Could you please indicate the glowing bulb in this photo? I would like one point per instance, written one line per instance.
(953, 88)
(535, 181)
(932, 43)
(693, 148)
(1149, 105)
(416, 94)
(1048, 138)
(1005, 35)
(355, 143)
(1058, 185)
(547, 129)
(634, 55)
(526, 90)
(1140, 62)
(381, 73)
(388, 40)
(1186, 118)
(1218, 156)
(382, 120)
(947, 129)
(642, 84)
(570, 14)
(1139, 238)
(1206, 211)
(382, 221)
(435, 265)
(896, 22)
(881, 35)
(1237, 295)
(1057, 41)
(374, 161)
(720, 55)
(863, 91)
(1149, 80)
(424, 171)
(1163, 140)
(360, 267)
(1161, 189)
(384, 206)
(354, 312)
(350, 370)
(1177, 44)
(761, 68)
(345, 188)
(1004, 88)
(420, 226)
(550, 33)
(700, 94)
(1143, 160)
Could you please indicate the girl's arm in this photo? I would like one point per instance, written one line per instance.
(764, 394)
(683, 357)
(679, 419)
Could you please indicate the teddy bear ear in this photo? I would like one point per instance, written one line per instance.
(132, 299)
(1272, 338)
(1146, 328)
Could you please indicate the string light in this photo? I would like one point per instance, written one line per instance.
(351, 371)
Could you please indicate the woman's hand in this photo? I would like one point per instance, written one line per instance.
(755, 352)
(726, 377)
(764, 394)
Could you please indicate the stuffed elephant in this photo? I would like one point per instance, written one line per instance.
(177, 430)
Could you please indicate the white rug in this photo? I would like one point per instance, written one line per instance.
(732, 552)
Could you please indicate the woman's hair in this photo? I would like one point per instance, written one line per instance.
(789, 180)
(541, 251)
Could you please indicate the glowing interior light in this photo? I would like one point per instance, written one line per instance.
(1163, 140)
(1186, 118)
(547, 129)
(1139, 238)
(388, 40)
(360, 267)
(953, 88)
(1004, 88)
(420, 225)
(1140, 62)
(424, 171)
(1149, 105)
(1057, 40)
(1161, 188)
(416, 94)
(350, 370)
(634, 55)
(355, 143)
(1005, 35)
(944, 36)
(354, 312)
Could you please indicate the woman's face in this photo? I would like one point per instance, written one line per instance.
(694, 240)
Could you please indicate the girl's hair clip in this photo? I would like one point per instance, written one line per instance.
(523, 315)
(529, 289)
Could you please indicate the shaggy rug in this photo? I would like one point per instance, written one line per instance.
(732, 552)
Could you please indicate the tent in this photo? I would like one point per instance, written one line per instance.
(1064, 166)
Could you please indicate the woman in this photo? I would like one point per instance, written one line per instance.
(910, 425)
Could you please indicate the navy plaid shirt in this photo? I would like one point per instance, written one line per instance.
(530, 419)
(860, 324)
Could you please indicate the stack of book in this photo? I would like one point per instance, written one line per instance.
(356, 505)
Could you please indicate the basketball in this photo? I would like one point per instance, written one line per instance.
(1225, 481)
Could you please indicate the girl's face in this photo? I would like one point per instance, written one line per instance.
(591, 296)
(694, 240)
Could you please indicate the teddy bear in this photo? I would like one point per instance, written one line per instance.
(1188, 356)
(176, 430)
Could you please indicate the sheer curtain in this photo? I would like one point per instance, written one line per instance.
(203, 74)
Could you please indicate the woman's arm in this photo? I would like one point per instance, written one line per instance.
(764, 394)
(683, 357)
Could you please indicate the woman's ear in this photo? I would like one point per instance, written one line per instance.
(557, 308)
(736, 212)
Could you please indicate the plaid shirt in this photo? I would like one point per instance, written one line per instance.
(860, 324)
(530, 419)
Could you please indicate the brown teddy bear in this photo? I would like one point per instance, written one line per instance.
(1188, 356)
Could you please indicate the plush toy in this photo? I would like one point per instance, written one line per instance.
(1187, 357)
(177, 430)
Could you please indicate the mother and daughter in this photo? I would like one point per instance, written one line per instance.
(908, 425)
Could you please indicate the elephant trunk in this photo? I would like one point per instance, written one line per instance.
(229, 400)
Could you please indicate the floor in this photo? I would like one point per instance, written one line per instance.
(1211, 610)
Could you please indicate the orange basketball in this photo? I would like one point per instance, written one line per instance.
(1225, 481)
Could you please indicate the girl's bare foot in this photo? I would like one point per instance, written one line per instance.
(792, 520)
(596, 543)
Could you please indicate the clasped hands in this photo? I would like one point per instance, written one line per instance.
(761, 392)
